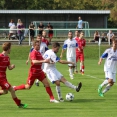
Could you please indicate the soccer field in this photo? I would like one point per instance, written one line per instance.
(86, 103)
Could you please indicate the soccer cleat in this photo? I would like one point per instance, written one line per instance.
(76, 72)
(23, 106)
(37, 84)
(61, 100)
(99, 89)
(101, 95)
(79, 87)
(82, 73)
(71, 76)
(54, 101)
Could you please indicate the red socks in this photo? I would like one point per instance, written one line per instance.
(17, 101)
(21, 87)
(49, 91)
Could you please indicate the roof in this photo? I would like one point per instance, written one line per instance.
(54, 11)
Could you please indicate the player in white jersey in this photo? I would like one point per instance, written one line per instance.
(70, 44)
(43, 48)
(110, 68)
(53, 74)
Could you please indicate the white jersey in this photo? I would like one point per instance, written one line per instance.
(110, 35)
(111, 60)
(49, 54)
(71, 46)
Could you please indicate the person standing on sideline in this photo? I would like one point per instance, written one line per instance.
(11, 26)
(32, 32)
(53, 74)
(70, 44)
(40, 28)
(21, 33)
(80, 23)
(4, 84)
(79, 52)
(110, 68)
(36, 72)
(50, 32)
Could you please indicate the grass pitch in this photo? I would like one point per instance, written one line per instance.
(86, 103)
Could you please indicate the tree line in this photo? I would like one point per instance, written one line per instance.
(62, 5)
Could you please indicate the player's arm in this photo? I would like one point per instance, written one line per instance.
(10, 67)
(65, 62)
(28, 59)
(104, 55)
(41, 61)
(61, 55)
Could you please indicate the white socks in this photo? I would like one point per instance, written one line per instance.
(68, 84)
(106, 89)
(58, 90)
(71, 71)
(37, 81)
(104, 83)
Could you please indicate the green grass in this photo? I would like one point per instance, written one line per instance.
(87, 103)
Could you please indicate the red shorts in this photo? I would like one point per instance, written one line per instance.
(50, 35)
(31, 78)
(79, 56)
(4, 84)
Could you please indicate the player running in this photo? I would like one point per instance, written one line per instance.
(53, 74)
(79, 52)
(70, 44)
(110, 68)
(4, 64)
(36, 72)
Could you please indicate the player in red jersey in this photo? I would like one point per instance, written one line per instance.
(44, 38)
(36, 72)
(4, 84)
(79, 52)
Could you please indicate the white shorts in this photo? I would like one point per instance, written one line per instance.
(54, 75)
(71, 59)
(110, 75)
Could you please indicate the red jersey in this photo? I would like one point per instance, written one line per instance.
(4, 63)
(45, 41)
(35, 68)
(81, 45)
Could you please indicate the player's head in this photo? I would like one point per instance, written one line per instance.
(36, 45)
(70, 34)
(55, 47)
(44, 33)
(114, 44)
(76, 33)
(79, 18)
(39, 37)
(81, 34)
(6, 47)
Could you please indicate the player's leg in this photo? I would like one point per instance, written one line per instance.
(30, 82)
(16, 100)
(82, 63)
(70, 85)
(76, 67)
(46, 84)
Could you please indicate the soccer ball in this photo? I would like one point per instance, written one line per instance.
(69, 96)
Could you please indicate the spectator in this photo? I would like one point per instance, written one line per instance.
(21, 32)
(41, 27)
(32, 32)
(110, 36)
(103, 38)
(11, 26)
(50, 32)
(80, 23)
(96, 37)
(18, 23)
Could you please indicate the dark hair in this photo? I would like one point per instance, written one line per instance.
(56, 44)
(6, 46)
(39, 35)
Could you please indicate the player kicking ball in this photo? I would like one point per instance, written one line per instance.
(36, 72)
(53, 74)
(4, 84)
(110, 68)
